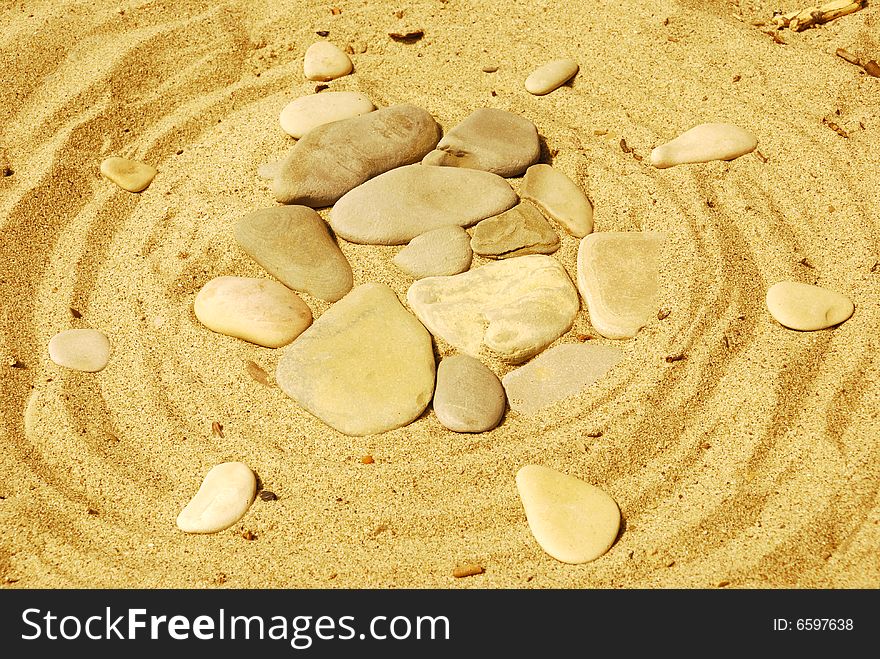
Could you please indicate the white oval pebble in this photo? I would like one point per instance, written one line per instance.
(704, 143)
(805, 307)
(129, 175)
(551, 75)
(80, 349)
(325, 61)
(573, 521)
(301, 115)
(223, 498)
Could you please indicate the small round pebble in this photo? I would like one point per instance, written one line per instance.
(806, 307)
(550, 76)
(325, 61)
(80, 349)
(469, 397)
(129, 175)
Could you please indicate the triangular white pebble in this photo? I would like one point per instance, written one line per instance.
(223, 498)
(573, 521)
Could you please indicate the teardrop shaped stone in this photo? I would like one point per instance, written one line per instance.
(223, 498)
(559, 198)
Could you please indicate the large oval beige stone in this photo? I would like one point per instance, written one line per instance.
(130, 175)
(307, 112)
(364, 367)
(559, 198)
(550, 76)
(516, 232)
(223, 498)
(261, 311)
(85, 350)
(511, 309)
(573, 521)
(617, 274)
(704, 143)
(806, 307)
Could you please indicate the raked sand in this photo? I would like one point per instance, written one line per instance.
(752, 462)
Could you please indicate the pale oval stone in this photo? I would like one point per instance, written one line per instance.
(704, 143)
(469, 397)
(399, 205)
(617, 274)
(80, 349)
(301, 115)
(806, 307)
(491, 140)
(573, 521)
(519, 231)
(436, 253)
(334, 158)
(550, 76)
(366, 365)
(128, 174)
(325, 61)
(223, 498)
(513, 308)
(261, 311)
(559, 198)
(556, 374)
(294, 245)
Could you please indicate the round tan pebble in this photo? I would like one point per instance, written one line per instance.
(85, 350)
(325, 61)
(129, 175)
(806, 307)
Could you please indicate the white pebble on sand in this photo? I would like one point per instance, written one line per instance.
(223, 498)
(80, 349)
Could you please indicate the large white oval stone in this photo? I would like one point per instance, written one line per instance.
(80, 349)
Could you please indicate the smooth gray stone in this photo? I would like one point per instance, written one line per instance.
(334, 158)
(469, 397)
(440, 252)
(492, 140)
(294, 245)
(399, 205)
(364, 367)
(519, 231)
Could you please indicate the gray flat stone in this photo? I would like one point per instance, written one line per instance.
(469, 397)
(556, 374)
(399, 205)
(85, 350)
(334, 158)
(364, 367)
(617, 274)
(492, 140)
(440, 252)
(519, 231)
(511, 309)
(559, 198)
(294, 245)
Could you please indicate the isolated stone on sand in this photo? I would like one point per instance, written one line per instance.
(223, 498)
(261, 311)
(806, 307)
(617, 274)
(325, 61)
(294, 245)
(439, 252)
(334, 158)
(399, 205)
(559, 198)
(573, 521)
(128, 174)
(492, 140)
(469, 397)
(85, 350)
(556, 374)
(306, 112)
(516, 232)
(704, 143)
(364, 367)
(550, 76)
(513, 308)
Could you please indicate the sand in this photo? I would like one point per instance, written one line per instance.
(753, 462)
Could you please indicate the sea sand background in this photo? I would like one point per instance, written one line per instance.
(754, 461)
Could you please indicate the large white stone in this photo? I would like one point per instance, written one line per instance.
(364, 367)
(617, 274)
(559, 198)
(511, 309)
(704, 143)
(806, 307)
(573, 521)
(223, 498)
(80, 349)
(306, 112)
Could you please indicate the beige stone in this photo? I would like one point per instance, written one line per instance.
(80, 349)
(437, 253)
(261, 311)
(306, 112)
(128, 174)
(704, 143)
(469, 397)
(806, 307)
(325, 61)
(519, 231)
(223, 498)
(559, 198)
(617, 275)
(573, 521)
(550, 76)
